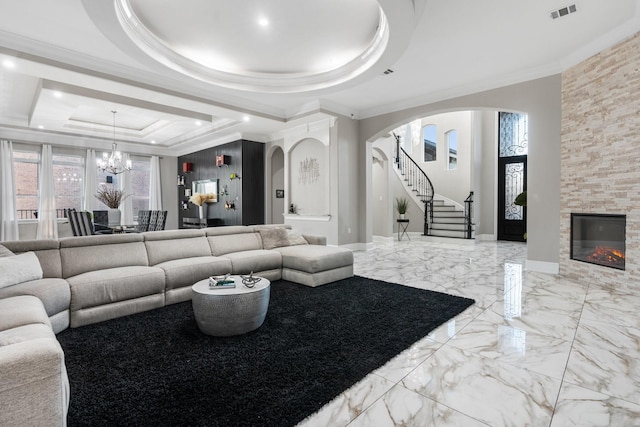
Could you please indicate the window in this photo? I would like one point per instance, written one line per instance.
(140, 180)
(25, 166)
(513, 138)
(430, 139)
(68, 172)
(452, 149)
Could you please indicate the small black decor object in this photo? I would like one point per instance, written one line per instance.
(279, 194)
(250, 281)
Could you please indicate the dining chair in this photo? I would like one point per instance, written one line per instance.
(80, 222)
(143, 220)
(157, 220)
(101, 222)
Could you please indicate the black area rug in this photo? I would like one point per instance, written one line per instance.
(157, 368)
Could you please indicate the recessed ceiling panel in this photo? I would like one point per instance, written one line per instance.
(257, 36)
(274, 46)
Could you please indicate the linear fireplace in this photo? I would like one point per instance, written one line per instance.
(599, 239)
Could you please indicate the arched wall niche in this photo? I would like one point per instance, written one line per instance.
(309, 177)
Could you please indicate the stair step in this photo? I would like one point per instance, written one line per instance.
(447, 233)
(446, 226)
(448, 214)
(449, 220)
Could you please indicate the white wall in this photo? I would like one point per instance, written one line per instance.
(379, 180)
(454, 184)
(485, 185)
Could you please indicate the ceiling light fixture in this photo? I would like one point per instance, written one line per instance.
(263, 22)
(9, 64)
(113, 163)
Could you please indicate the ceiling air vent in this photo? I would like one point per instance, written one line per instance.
(563, 11)
(388, 71)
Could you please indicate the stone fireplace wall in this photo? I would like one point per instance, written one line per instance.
(600, 154)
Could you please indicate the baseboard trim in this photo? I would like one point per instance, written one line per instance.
(543, 267)
(358, 246)
(486, 237)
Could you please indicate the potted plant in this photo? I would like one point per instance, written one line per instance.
(111, 197)
(402, 204)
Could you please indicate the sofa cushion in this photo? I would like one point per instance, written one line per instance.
(19, 269)
(54, 293)
(46, 250)
(176, 245)
(187, 271)
(256, 260)
(314, 258)
(21, 310)
(274, 237)
(4, 252)
(94, 253)
(32, 331)
(225, 244)
(103, 287)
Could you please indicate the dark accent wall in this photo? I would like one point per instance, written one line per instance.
(247, 192)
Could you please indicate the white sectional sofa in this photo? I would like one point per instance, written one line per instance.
(90, 279)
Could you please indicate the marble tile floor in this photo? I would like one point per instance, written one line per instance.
(535, 350)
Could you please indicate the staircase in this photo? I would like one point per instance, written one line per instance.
(448, 221)
(440, 219)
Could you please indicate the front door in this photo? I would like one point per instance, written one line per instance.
(512, 175)
(512, 180)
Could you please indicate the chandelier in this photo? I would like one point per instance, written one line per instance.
(112, 163)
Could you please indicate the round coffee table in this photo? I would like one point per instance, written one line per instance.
(230, 311)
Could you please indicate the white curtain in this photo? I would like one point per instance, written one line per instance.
(155, 187)
(90, 182)
(8, 214)
(126, 207)
(47, 218)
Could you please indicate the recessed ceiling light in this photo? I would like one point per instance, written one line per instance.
(198, 123)
(57, 94)
(40, 127)
(246, 118)
(263, 22)
(7, 63)
(153, 141)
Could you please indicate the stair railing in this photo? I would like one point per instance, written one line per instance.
(468, 216)
(417, 180)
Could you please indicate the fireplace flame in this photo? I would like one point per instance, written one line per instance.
(606, 255)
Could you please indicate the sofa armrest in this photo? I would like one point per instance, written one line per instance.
(34, 389)
(315, 240)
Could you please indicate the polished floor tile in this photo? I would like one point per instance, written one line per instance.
(536, 349)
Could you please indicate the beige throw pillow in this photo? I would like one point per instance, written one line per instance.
(274, 238)
(19, 268)
(296, 239)
(4, 252)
